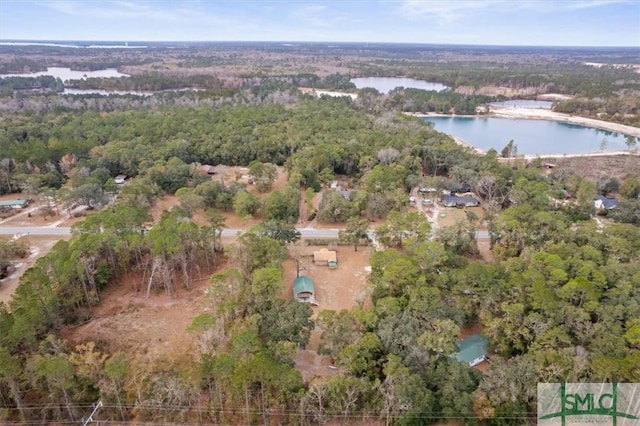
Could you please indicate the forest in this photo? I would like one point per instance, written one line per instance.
(475, 75)
(559, 302)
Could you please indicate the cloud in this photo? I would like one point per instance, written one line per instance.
(452, 10)
(443, 9)
(123, 9)
(588, 4)
(321, 16)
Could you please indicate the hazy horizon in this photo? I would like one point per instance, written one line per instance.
(139, 43)
(570, 23)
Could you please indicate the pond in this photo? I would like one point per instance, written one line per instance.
(532, 137)
(65, 74)
(523, 103)
(386, 84)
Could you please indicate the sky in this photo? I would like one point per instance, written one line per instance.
(492, 22)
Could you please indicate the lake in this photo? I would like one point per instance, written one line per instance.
(386, 84)
(522, 103)
(531, 136)
(65, 74)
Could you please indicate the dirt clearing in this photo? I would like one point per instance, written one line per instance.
(39, 245)
(342, 288)
(125, 320)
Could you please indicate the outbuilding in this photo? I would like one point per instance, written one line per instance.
(473, 349)
(326, 257)
(303, 290)
(18, 203)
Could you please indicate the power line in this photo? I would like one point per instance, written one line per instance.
(90, 418)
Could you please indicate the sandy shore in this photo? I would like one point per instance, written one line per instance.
(319, 92)
(545, 114)
(553, 97)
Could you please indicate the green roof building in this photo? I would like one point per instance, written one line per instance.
(16, 204)
(303, 290)
(473, 349)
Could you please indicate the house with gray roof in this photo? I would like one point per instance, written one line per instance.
(459, 201)
(602, 202)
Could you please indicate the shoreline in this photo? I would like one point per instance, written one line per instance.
(545, 114)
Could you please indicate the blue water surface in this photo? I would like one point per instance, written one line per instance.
(531, 136)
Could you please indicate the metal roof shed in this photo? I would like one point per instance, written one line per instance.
(473, 349)
(303, 290)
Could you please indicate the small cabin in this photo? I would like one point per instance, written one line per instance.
(303, 290)
(19, 203)
(473, 349)
(326, 257)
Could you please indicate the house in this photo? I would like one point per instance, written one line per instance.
(18, 203)
(303, 290)
(473, 350)
(602, 202)
(463, 188)
(209, 169)
(326, 257)
(121, 179)
(456, 201)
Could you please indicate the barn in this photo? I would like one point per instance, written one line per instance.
(303, 290)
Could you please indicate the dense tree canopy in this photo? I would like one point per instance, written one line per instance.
(559, 303)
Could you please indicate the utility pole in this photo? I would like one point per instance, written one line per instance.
(85, 422)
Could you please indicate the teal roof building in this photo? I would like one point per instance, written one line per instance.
(473, 350)
(303, 290)
(19, 203)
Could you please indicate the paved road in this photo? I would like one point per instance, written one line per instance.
(33, 230)
(53, 231)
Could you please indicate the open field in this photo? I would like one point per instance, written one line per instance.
(126, 320)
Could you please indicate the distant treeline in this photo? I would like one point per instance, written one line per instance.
(45, 82)
(148, 82)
